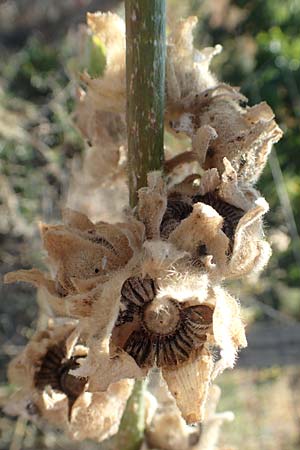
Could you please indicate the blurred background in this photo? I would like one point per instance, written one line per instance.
(39, 146)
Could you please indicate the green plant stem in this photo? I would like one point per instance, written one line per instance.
(131, 432)
(145, 71)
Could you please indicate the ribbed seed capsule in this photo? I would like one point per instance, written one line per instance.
(163, 332)
(54, 371)
(179, 207)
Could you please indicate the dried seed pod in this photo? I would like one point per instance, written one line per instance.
(179, 207)
(241, 134)
(230, 213)
(46, 363)
(50, 392)
(223, 212)
(54, 371)
(82, 255)
(163, 331)
(168, 327)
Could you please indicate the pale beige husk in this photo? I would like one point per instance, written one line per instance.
(105, 133)
(168, 431)
(109, 91)
(244, 135)
(94, 415)
(187, 68)
(75, 249)
(250, 251)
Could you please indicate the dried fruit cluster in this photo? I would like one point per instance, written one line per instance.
(148, 292)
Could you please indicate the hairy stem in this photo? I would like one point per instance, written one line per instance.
(145, 71)
(131, 432)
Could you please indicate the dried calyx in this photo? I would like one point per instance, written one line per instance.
(81, 257)
(180, 206)
(160, 330)
(48, 391)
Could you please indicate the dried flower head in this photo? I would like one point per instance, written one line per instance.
(211, 219)
(173, 324)
(82, 254)
(207, 221)
(220, 125)
(50, 392)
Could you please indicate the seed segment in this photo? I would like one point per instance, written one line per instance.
(163, 331)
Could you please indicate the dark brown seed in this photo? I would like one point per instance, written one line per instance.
(178, 208)
(101, 241)
(54, 371)
(168, 334)
(140, 347)
(138, 291)
(135, 293)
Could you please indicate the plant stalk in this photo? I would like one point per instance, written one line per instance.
(145, 72)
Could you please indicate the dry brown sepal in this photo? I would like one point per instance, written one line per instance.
(242, 134)
(50, 392)
(168, 431)
(216, 223)
(187, 68)
(105, 133)
(82, 256)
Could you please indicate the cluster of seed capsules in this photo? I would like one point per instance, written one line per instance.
(148, 292)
